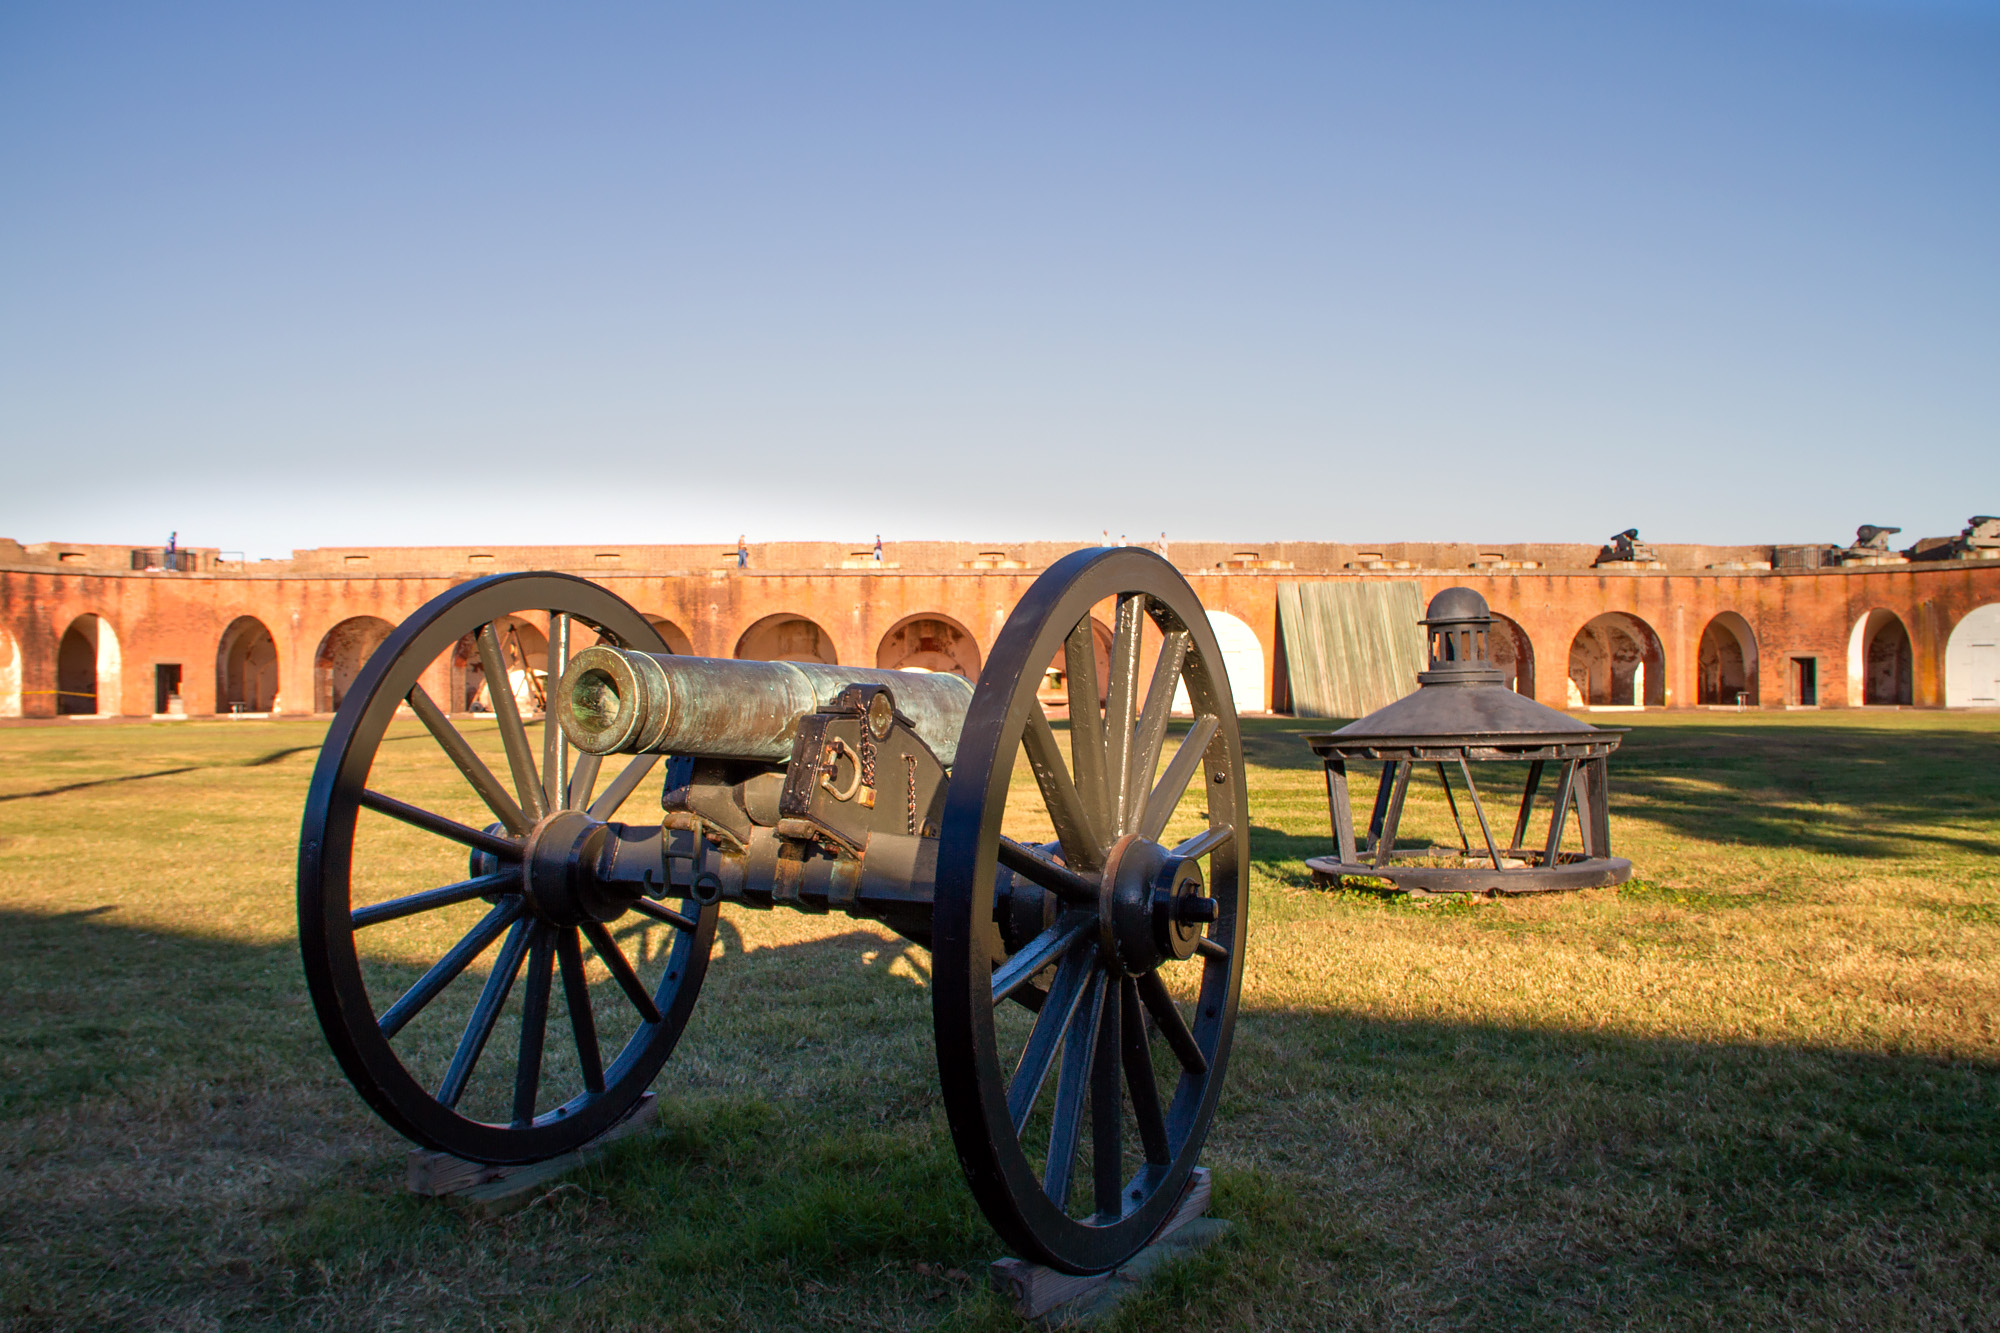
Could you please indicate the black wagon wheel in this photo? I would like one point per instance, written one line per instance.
(1088, 929)
(454, 867)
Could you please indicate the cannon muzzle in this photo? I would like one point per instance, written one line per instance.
(616, 701)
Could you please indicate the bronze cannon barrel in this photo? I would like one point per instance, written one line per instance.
(617, 701)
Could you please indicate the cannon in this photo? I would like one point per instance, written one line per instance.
(1082, 890)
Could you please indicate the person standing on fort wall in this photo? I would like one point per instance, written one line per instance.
(742, 551)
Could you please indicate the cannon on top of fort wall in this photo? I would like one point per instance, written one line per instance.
(1082, 892)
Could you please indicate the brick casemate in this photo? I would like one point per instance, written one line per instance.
(192, 615)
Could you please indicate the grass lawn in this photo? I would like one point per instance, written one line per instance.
(1758, 1087)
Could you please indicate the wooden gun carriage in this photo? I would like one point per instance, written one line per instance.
(1094, 883)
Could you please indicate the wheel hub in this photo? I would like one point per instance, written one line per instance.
(559, 871)
(1152, 906)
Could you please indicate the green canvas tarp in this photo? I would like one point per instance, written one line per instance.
(1350, 648)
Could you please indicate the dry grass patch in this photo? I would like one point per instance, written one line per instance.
(1759, 1087)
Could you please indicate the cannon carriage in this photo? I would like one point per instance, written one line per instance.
(1082, 892)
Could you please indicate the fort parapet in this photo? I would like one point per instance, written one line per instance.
(97, 630)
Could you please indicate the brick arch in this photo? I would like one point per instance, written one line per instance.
(1513, 651)
(1880, 659)
(1726, 661)
(1972, 659)
(246, 668)
(1609, 655)
(10, 674)
(931, 641)
(1243, 664)
(787, 637)
(89, 668)
(342, 651)
(678, 642)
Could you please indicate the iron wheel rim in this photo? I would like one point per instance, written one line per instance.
(975, 1085)
(332, 962)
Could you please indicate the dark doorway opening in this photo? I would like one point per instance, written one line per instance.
(1887, 675)
(76, 673)
(1805, 682)
(166, 687)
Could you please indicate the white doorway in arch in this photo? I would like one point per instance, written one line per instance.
(1972, 660)
(1242, 662)
(10, 675)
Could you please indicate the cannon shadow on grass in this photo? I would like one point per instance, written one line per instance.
(179, 1151)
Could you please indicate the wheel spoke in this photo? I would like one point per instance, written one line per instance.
(1107, 1108)
(582, 780)
(555, 747)
(1180, 771)
(1119, 702)
(1209, 948)
(534, 1025)
(1076, 830)
(1206, 841)
(504, 807)
(1031, 864)
(485, 1014)
(622, 786)
(661, 912)
(491, 844)
(514, 736)
(447, 968)
(1167, 1018)
(1151, 732)
(582, 1022)
(1046, 1037)
(1073, 1091)
(628, 980)
(1039, 952)
(1086, 722)
(463, 891)
(1139, 1076)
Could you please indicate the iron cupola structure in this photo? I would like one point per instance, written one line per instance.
(1462, 714)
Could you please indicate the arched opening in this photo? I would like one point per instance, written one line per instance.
(1726, 662)
(1972, 660)
(1510, 649)
(87, 669)
(76, 668)
(1878, 660)
(10, 675)
(1242, 663)
(1055, 680)
(678, 642)
(929, 642)
(786, 638)
(246, 668)
(524, 649)
(1616, 661)
(340, 657)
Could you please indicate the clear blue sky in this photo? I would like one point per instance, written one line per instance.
(281, 276)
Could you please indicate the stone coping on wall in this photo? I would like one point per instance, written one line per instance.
(928, 556)
(598, 572)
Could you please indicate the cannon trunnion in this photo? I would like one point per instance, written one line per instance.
(1094, 878)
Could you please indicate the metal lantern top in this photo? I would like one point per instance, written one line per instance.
(1462, 697)
(1463, 713)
